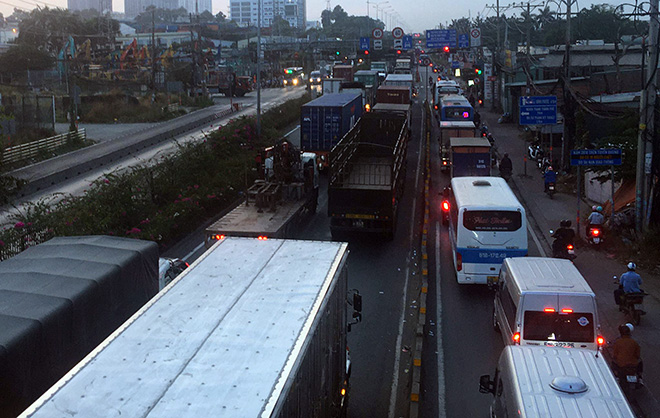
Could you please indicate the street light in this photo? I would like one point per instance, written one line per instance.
(377, 5)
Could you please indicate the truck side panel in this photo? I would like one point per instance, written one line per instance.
(321, 127)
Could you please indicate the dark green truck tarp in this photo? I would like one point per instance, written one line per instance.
(59, 300)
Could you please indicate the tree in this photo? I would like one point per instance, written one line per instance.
(206, 16)
(20, 58)
(281, 27)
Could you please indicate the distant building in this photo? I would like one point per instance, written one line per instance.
(132, 8)
(102, 6)
(244, 12)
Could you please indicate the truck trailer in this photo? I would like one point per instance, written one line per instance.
(452, 129)
(59, 300)
(254, 328)
(324, 121)
(470, 157)
(274, 204)
(367, 175)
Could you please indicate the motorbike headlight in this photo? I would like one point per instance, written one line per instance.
(295, 82)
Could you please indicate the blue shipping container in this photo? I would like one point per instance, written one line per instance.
(324, 121)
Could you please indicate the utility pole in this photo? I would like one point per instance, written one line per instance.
(568, 141)
(259, 68)
(153, 50)
(646, 133)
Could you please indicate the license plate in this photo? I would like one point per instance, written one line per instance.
(358, 223)
(631, 379)
(559, 344)
(596, 240)
(359, 216)
(552, 188)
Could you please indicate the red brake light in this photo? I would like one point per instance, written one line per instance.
(480, 101)
(548, 309)
(219, 237)
(459, 261)
(569, 246)
(595, 232)
(262, 237)
(436, 107)
(444, 163)
(516, 338)
(445, 206)
(567, 310)
(600, 340)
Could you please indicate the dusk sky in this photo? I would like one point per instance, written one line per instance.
(415, 15)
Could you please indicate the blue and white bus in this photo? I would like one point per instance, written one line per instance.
(455, 107)
(487, 224)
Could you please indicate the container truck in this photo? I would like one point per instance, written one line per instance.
(343, 71)
(273, 205)
(452, 129)
(253, 328)
(393, 94)
(59, 300)
(470, 157)
(324, 121)
(367, 175)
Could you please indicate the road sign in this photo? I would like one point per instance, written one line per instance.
(426, 61)
(364, 43)
(608, 156)
(377, 33)
(398, 44)
(455, 64)
(407, 42)
(463, 41)
(475, 37)
(438, 38)
(538, 110)
(397, 33)
(378, 44)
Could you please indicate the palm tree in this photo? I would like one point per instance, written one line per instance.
(544, 16)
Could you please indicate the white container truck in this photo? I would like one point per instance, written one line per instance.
(253, 328)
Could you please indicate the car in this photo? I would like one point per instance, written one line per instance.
(169, 269)
(315, 77)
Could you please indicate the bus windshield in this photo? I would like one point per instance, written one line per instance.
(492, 220)
(555, 326)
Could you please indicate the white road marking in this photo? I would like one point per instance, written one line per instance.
(536, 240)
(442, 413)
(399, 337)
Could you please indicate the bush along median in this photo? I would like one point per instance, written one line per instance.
(161, 201)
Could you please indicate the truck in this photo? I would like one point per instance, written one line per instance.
(367, 175)
(59, 300)
(343, 71)
(403, 66)
(253, 328)
(228, 83)
(404, 110)
(324, 121)
(393, 94)
(452, 129)
(287, 190)
(470, 157)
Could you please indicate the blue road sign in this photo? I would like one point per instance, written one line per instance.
(608, 156)
(439, 38)
(455, 64)
(463, 41)
(407, 42)
(538, 110)
(364, 43)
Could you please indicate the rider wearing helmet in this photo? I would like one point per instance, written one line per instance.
(563, 236)
(630, 280)
(549, 177)
(596, 218)
(626, 352)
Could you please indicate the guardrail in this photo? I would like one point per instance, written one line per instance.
(24, 152)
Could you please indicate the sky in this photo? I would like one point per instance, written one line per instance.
(415, 15)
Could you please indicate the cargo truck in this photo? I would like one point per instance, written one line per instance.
(275, 203)
(253, 328)
(228, 83)
(343, 71)
(324, 121)
(452, 129)
(394, 94)
(367, 175)
(470, 157)
(59, 300)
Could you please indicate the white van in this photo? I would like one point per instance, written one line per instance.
(545, 302)
(554, 382)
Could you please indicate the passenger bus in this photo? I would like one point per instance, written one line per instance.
(444, 88)
(455, 107)
(486, 225)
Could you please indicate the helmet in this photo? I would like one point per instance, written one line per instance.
(550, 168)
(626, 329)
(632, 266)
(506, 154)
(593, 208)
(569, 223)
(563, 223)
(599, 208)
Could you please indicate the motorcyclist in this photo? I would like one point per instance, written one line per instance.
(506, 166)
(630, 280)
(626, 353)
(596, 218)
(549, 177)
(563, 236)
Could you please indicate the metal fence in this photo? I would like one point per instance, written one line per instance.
(30, 150)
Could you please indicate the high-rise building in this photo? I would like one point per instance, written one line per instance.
(133, 8)
(245, 12)
(102, 6)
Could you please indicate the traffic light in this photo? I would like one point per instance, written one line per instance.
(398, 52)
(337, 53)
(477, 71)
(366, 52)
(446, 48)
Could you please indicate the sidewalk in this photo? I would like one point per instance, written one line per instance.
(597, 266)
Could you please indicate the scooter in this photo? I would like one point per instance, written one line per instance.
(535, 152)
(595, 235)
(631, 304)
(561, 250)
(484, 131)
(628, 378)
(550, 189)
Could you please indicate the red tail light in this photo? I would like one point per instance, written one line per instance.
(219, 237)
(600, 340)
(567, 310)
(548, 309)
(459, 262)
(569, 247)
(595, 232)
(444, 163)
(516, 338)
(445, 206)
(262, 237)
(436, 107)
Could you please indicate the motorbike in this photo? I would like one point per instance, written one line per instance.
(628, 378)
(484, 131)
(535, 152)
(544, 163)
(631, 304)
(595, 235)
(561, 249)
(491, 139)
(550, 189)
